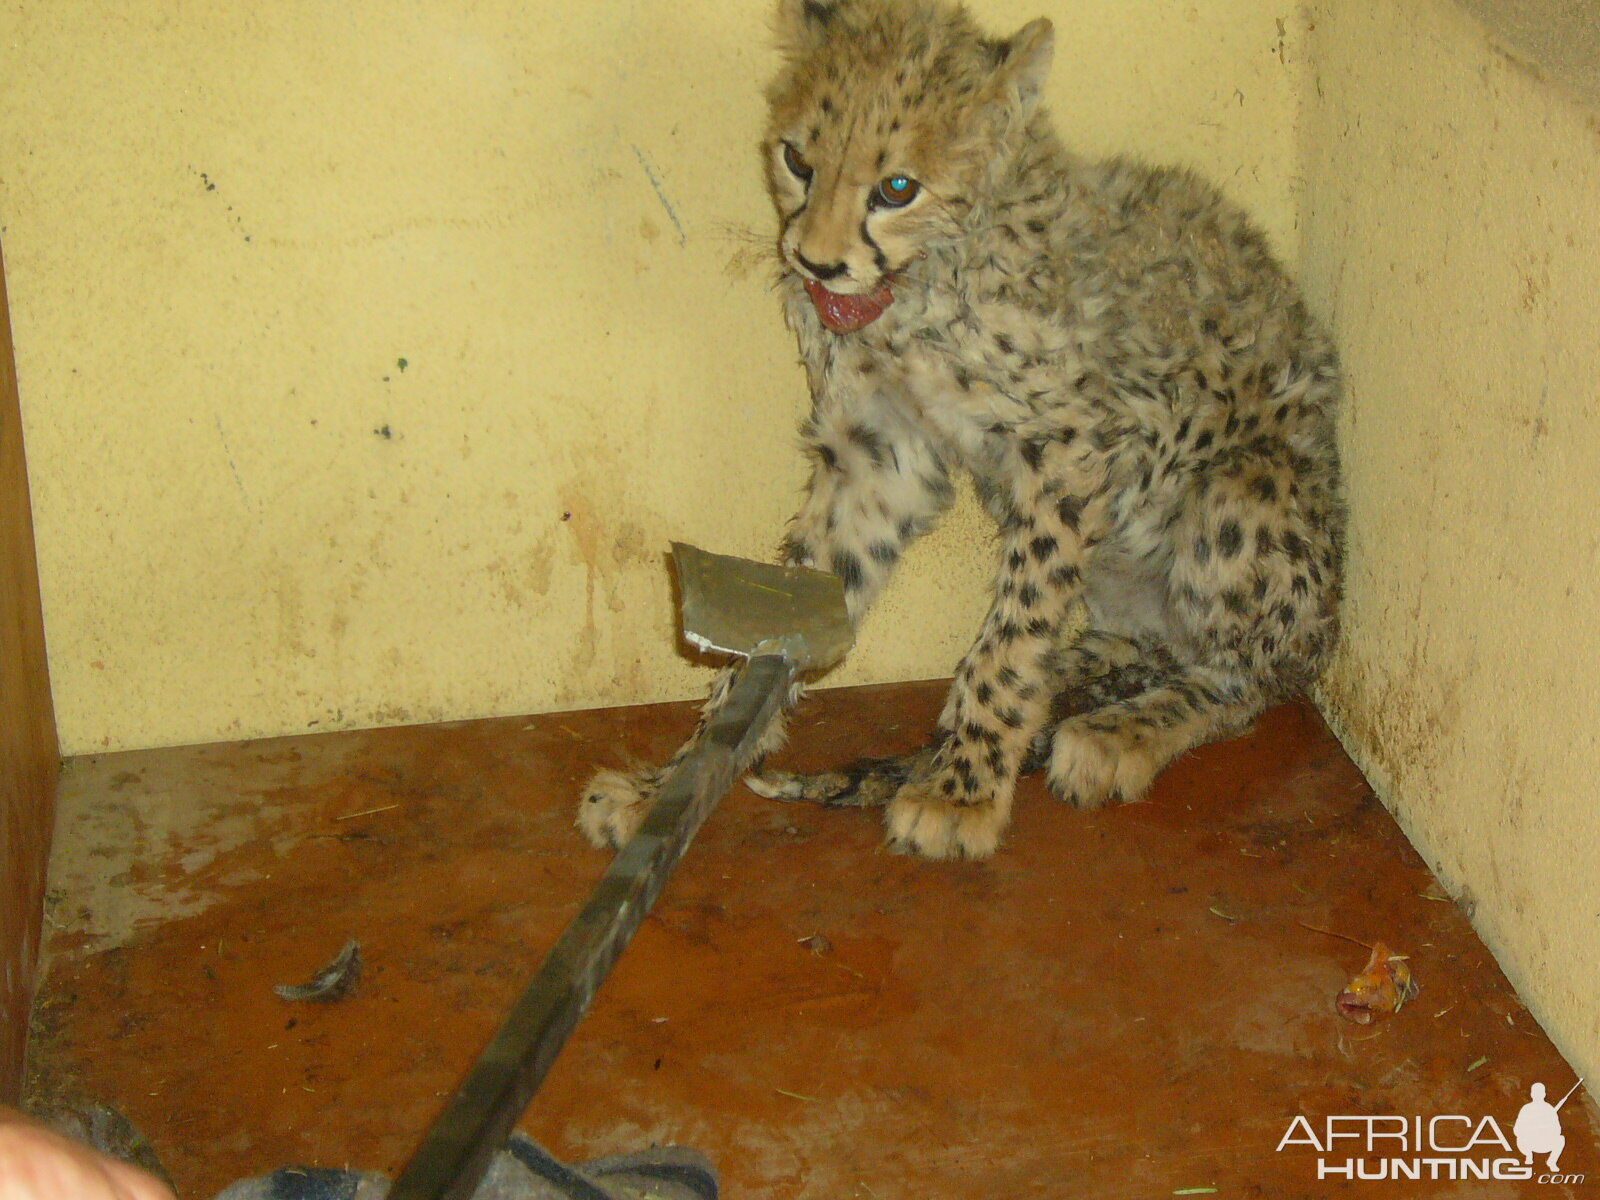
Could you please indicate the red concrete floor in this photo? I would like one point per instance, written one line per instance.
(1119, 1004)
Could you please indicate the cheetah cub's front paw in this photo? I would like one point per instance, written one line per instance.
(924, 819)
(615, 805)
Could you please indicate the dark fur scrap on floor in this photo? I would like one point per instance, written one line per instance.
(523, 1171)
(334, 982)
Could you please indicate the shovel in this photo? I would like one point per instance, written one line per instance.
(784, 620)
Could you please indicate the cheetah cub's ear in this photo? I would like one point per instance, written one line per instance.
(1025, 62)
(801, 25)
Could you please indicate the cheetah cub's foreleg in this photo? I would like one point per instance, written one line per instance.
(960, 803)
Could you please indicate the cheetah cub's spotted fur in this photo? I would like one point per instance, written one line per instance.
(1112, 354)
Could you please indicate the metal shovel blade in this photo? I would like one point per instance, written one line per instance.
(737, 606)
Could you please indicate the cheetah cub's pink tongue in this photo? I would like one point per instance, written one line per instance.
(846, 314)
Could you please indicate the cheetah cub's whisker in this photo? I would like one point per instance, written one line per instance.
(1109, 349)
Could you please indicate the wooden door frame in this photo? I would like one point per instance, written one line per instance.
(30, 758)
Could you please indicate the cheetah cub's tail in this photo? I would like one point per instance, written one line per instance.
(865, 783)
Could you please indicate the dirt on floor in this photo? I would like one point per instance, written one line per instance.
(1137, 1002)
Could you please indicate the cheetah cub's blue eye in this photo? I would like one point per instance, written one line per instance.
(797, 165)
(897, 191)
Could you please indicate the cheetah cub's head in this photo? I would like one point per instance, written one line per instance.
(889, 118)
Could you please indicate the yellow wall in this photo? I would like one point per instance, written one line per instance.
(1452, 231)
(228, 223)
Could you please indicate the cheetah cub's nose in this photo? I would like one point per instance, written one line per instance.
(820, 271)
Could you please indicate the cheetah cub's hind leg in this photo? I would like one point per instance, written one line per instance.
(1126, 709)
(1121, 711)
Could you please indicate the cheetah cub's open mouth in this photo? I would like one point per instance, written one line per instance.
(846, 314)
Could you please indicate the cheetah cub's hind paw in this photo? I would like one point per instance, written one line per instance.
(865, 783)
(615, 804)
(1091, 768)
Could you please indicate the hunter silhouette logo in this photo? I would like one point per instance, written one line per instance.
(1447, 1146)
(1538, 1127)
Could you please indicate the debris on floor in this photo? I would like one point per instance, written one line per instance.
(334, 982)
(1383, 986)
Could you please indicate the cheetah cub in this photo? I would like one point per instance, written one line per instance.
(1111, 353)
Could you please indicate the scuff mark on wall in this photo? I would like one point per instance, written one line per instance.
(661, 194)
(227, 453)
(291, 609)
(523, 578)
